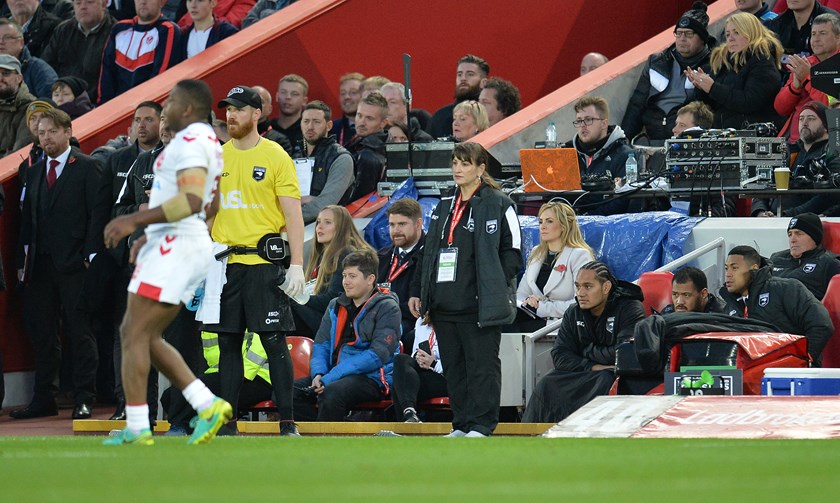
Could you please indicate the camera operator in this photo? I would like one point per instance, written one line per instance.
(811, 169)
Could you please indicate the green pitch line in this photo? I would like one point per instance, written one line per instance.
(273, 469)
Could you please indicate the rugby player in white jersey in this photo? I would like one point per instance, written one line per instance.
(175, 256)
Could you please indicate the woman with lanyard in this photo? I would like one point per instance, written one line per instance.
(466, 285)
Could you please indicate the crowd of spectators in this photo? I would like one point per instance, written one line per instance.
(759, 71)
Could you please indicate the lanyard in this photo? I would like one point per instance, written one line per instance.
(315, 272)
(432, 343)
(456, 217)
(395, 272)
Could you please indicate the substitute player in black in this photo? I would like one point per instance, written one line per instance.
(806, 259)
(467, 285)
(606, 312)
(258, 195)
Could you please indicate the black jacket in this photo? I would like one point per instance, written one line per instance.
(608, 160)
(814, 268)
(39, 31)
(269, 133)
(61, 222)
(401, 284)
(746, 96)
(584, 340)
(71, 53)
(325, 153)
(368, 163)
(496, 259)
(786, 304)
(643, 110)
(713, 305)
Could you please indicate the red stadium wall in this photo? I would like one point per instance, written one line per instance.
(536, 44)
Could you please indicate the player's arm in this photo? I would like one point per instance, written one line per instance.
(294, 227)
(189, 200)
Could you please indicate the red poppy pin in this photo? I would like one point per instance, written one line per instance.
(561, 268)
(72, 160)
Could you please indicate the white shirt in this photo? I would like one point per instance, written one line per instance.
(62, 160)
(197, 41)
(195, 146)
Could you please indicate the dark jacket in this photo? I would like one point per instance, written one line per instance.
(78, 107)
(39, 31)
(402, 282)
(269, 133)
(118, 77)
(368, 163)
(643, 110)
(793, 39)
(786, 304)
(814, 268)
(804, 166)
(377, 330)
(293, 133)
(332, 177)
(60, 222)
(72, 53)
(343, 130)
(584, 341)
(746, 96)
(611, 158)
(14, 131)
(38, 75)
(496, 259)
(221, 30)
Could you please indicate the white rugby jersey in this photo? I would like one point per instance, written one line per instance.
(195, 146)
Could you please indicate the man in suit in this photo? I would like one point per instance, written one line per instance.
(398, 261)
(58, 240)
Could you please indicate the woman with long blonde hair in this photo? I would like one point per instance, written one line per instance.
(335, 237)
(547, 288)
(745, 74)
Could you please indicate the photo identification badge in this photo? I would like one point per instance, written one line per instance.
(447, 265)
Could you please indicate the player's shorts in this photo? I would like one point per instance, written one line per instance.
(171, 267)
(252, 301)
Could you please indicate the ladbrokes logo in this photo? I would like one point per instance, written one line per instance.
(761, 417)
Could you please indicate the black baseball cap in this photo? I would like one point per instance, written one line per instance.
(241, 96)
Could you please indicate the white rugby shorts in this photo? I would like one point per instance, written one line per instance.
(170, 267)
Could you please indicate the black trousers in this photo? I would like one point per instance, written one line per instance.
(184, 334)
(337, 400)
(48, 294)
(473, 371)
(412, 384)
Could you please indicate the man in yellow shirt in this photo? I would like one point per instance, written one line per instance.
(258, 195)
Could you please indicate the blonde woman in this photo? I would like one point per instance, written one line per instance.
(745, 75)
(548, 286)
(335, 238)
(468, 119)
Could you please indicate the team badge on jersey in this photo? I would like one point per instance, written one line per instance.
(491, 226)
(610, 324)
(764, 299)
(809, 268)
(259, 173)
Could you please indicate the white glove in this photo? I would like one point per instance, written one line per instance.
(294, 281)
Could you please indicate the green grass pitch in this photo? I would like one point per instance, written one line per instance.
(348, 469)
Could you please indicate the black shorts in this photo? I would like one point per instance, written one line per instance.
(252, 301)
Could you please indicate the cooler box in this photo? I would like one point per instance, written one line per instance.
(790, 381)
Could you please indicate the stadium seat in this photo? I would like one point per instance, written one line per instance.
(831, 236)
(300, 348)
(831, 301)
(367, 205)
(656, 287)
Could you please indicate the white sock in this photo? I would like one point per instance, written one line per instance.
(198, 395)
(137, 417)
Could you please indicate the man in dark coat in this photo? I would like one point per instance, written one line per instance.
(690, 293)
(806, 260)
(751, 292)
(606, 312)
(58, 240)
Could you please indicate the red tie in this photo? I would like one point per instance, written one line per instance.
(51, 175)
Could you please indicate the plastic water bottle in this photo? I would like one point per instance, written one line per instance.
(551, 135)
(631, 169)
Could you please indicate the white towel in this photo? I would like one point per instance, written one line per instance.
(210, 309)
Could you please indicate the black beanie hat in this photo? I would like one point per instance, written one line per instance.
(76, 85)
(818, 108)
(696, 19)
(810, 224)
